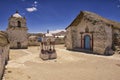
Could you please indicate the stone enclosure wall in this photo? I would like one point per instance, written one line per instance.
(4, 51)
(4, 57)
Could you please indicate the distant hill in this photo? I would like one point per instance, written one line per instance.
(61, 33)
(35, 34)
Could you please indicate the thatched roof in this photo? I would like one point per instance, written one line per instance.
(3, 38)
(93, 17)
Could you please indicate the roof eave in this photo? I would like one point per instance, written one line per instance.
(79, 16)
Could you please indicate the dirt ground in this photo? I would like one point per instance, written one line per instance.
(25, 64)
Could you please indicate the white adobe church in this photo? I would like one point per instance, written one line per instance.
(17, 32)
(90, 32)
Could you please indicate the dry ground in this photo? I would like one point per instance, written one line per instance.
(25, 64)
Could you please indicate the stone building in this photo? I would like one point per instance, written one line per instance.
(17, 31)
(90, 32)
(33, 41)
(4, 51)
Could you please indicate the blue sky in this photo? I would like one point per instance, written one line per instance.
(55, 14)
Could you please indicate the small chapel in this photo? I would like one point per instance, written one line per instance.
(92, 33)
(17, 31)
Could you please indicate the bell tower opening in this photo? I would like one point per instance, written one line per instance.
(19, 24)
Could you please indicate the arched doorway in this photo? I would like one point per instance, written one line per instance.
(19, 24)
(18, 45)
(87, 41)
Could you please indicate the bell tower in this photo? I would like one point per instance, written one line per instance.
(17, 31)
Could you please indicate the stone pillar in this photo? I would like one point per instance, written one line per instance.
(92, 41)
(81, 45)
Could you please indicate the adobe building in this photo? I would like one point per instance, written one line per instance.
(33, 41)
(17, 32)
(90, 32)
(4, 51)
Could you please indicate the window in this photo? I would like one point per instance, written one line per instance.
(19, 24)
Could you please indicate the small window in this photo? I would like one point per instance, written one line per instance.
(19, 24)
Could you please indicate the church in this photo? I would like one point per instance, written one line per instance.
(17, 32)
(92, 33)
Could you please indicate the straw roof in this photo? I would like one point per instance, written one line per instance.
(93, 17)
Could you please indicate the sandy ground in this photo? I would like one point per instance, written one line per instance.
(25, 64)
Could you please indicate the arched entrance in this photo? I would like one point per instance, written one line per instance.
(19, 24)
(87, 42)
(18, 45)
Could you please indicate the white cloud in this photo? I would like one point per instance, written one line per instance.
(35, 2)
(31, 9)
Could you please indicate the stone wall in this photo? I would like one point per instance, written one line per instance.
(102, 39)
(102, 35)
(4, 51)
(2, 63)
(17, 32)
(33, 41)
(74, 36)
(4, 57)
(13, 21)
(116, 39)
(17, 35)
(68, 40)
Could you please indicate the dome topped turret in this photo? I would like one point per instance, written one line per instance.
(48, 34)
(17, 15)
